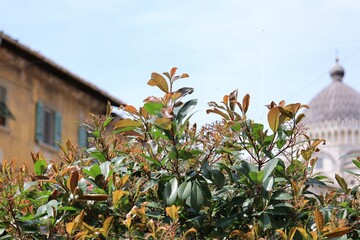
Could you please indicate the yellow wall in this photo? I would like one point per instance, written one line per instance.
(27, 84)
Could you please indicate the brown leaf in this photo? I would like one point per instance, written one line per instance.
(167, 112)
(226, 100)
(123, 123)
(246, 103)
(173, 71)
(107, 226)
(271, 105)
(217, 111)
(73, 180)
(159, 81)
(130, 109)
(319, 220)
(233, 99)
(293, 108)
(338, 232)
(173, 212)
(152, 99)
(93, 197)
(164, 123)
(274, 118)
(184, 75)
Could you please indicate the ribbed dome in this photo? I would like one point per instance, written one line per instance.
(336, 101)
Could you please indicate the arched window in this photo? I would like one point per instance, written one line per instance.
(342, 137)
(349, 137)
(357, 140)
(336, 139)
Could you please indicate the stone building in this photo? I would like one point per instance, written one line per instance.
(334, 115)
(41, 103)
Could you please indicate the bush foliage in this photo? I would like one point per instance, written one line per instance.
(155, 175)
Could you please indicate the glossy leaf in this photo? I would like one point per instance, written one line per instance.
(269, 167)
(185, 109)
(246, 103)
(341, 182)
(218, 178)
(117, 195)
(338, 232)
(40, 166)
(173, 212)
(197, 198)
(108, 223)
(319, 220)
(159, 81)
(163, 123)
(93, 197)
(125, 123)
(73, 181)
(274, 118)
(170, 191)
(184, 190)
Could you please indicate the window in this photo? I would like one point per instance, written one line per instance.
(83, 136)
(48, 125)
(5, 113)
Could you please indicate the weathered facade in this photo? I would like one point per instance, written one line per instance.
(41, 103)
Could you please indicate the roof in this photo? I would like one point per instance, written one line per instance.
(55, 69)
(337, 101)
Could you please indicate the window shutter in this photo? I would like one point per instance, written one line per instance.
(82, 136)
(2, 94)
(57, 133)
(39, 122)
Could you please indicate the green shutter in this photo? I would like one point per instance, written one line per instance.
(39, 122)
(57, 133)
(82, 136)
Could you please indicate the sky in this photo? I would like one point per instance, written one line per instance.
(273, 50)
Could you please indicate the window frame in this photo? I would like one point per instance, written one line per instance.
(48, 131)
(4, 108)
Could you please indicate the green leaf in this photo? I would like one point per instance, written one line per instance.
(98, 155)
(185, 109)
(153, 107)
(82, 184)
(93, 171)
(105, 169)
(245, 168)
(253, 176)
(206, 170)
(184, 190)
(341, 181)
(107, 121)
(224, 223)
(265, 220)
(218, 179)
(269, 168)
(40, 166)
(197, 199)
(357, 163)
(280, 195)
(170, 191)
(150, 159)
(268, 184)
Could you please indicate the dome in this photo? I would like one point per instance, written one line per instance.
(337, 72)
(336, 101)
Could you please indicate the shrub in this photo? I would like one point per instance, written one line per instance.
(155, 175)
